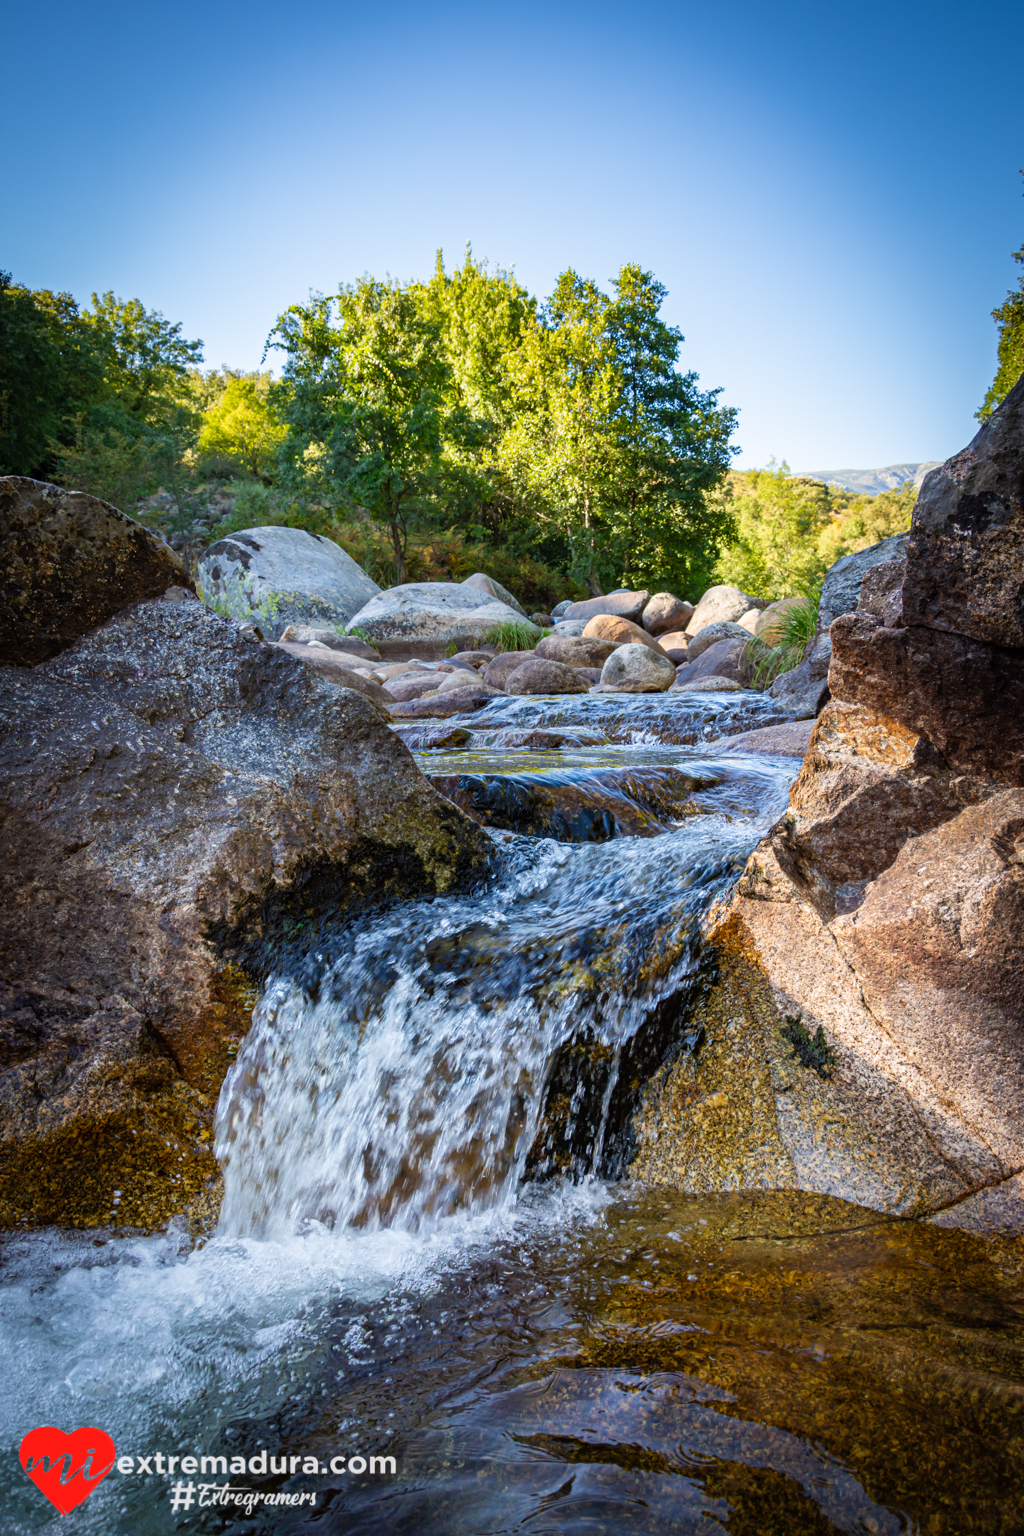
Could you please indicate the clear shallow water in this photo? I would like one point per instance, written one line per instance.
(555, 1357)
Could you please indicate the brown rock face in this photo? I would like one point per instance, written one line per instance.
(869, 1009)
(172, 793)
(607, 626)
(947, 687)
(67, 563)
(723, 658)
(575, 650)
(964, 564)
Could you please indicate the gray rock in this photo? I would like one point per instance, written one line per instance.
(724, 658)
(558, 610)
(461, 677)
(331, 664)
(487, 584)
(841, 590)
(410, 685)
(308, 634)
(665, 614)
(67, 563)
(623, 605)
(570, 627)
(964, 566)
(723, 603)
(800, 691)
(881, 592)
(281, 576)
(441, 706)
(637, 669)
(710, 684)
(434, 614)
(722, 630)
(539, 676)
(496, 673)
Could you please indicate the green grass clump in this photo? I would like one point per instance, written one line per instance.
(796, 627)
(512, 636)
(810, 1050)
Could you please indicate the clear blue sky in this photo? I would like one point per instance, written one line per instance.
(829, 192)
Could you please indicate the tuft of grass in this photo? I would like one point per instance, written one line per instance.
(810, 1050)
(513, 636)
(451, 649)
(359, 633)
(794, 630)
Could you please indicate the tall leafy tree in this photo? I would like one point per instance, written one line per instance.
(1009, 318)
(365, 401)
(51, 371)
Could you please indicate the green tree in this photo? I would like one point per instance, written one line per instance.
(51, 372)
(364, 401)
(1009, 318)
(672, 443)
(243, 424)
(779, 521)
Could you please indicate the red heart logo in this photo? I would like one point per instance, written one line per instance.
(66, 1467)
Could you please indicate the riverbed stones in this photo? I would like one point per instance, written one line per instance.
(618, 631)
(331, 665)
(575, 651)
(623, 605)
(789, 740)
(68, 562)
(675, 645)
(441, 706)
(722, 658)
(426, 617)
(311, 634)
(710, 684)
(540, 675)
(176, 797)
(721, 604)
(275, 576)
(711, 633)
(665, 614)
(500, 669)
(637, 669)
(410, 685)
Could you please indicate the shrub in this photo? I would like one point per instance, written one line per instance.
(795, 627)
(512, 637)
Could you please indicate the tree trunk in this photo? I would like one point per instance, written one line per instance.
(396, 540)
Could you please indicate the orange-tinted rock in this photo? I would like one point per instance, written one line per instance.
(607, 626)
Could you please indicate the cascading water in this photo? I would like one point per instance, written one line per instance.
(563, 1356)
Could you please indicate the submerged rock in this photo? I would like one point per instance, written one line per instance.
(279, 576)
(177, 797)
(67, 563)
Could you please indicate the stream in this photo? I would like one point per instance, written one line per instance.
(429, 1247)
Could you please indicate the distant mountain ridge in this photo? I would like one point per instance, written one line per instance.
(869, 482)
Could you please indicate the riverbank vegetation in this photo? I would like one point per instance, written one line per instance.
(432, 428)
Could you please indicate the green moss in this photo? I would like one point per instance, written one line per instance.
(810, 1050)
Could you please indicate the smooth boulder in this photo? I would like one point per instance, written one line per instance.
(68, 562)
(623, 605)
(711, 634)
(664, 614)
(312, 634)
(279, 576)
(575, 651)
(487, 584)
(607, 626)
(721, 604)
(723, 658)
(501, 668)
(428, 616)
(537, 675)
(710, 684)
(637, 669)
(676, 646)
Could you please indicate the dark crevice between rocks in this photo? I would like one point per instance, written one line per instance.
(581, 1096)
(290, 932)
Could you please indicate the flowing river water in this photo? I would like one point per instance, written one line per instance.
(429, 1247)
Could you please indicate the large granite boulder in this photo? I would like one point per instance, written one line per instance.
(274, 577)
(426, 617)
(840, 592)
(68, 562)
(497, 672)
(177, 797)
(723, 658)
(721, 604)
(664, 614)
(637, 669)
(336, 667)
(622, 605)
(864, 1034)
(618, 631)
